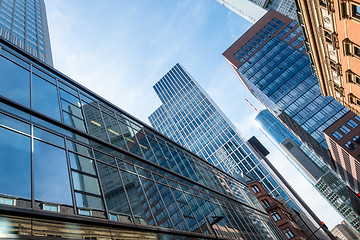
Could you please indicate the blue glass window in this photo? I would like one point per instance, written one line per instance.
(51, 175)
(15, 82)
(45, 97)
(15, 173)
(344, 129)
(337, 135)
(352, 123)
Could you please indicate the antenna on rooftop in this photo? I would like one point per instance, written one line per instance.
(251, 105)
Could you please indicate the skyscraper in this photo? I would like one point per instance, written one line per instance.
(24, 23)
(270, 60)
(74, 166)
(323, 178)
(253, 10)
(190, 117)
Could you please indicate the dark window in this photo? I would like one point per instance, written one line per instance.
(357, 51)
(265, 203)
(51, 174)
(356, 139)
(350, 145)
(356, 11)
(337, 135)
(15, 82)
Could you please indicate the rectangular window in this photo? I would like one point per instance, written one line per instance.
(337, 135)
(255, 189)
(275, 216)
(352, 123)
(356, 11)
(344, 129)
(356, 51)
(288, 233)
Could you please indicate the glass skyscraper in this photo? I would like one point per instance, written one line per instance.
(190, 117)
(24, 23)
(271, 61)
(324, 179)
(253, 10)
(73, 165)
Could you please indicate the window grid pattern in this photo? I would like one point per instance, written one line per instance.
(283, 75)
(164, 185)
(192, 119)
(21, 22)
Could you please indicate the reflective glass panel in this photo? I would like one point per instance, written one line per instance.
(45, 97)
(85, 183)
(114, 192)
(81, 163)
(138, 202)
(51, 174)
(15, 177)
(15, 82)
(84, 200)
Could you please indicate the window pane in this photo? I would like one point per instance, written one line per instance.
(137, 199)
(83, 200)
(45, 97)
(85, 183)
(15, 178)
(51, 174)
(82, 163)
(114, 192)
(48, 137)
(14, 124)
(15, 82)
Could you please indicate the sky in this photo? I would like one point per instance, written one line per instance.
(119, 49)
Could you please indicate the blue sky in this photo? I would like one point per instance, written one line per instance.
(120, 49)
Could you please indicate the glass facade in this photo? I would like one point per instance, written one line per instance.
(190, 117)
(278, 73)
(24, 23)
(65, 150)
(279, 132)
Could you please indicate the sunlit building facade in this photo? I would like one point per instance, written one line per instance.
(24, 23)
(271, 61)
(253, 10)
(75, 166)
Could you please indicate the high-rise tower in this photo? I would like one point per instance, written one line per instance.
(270, 60)
(24, 23)
(190, 117)
(253, 10)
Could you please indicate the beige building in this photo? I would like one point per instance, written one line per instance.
(343, 231)
(331, 29)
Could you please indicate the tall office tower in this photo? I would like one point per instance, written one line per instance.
(253, 10)
(299, 153)
(244, 8)
(190, 117)
(344, 232)
(74, 166)
(335, 191)
(24, 23)
(270, 60)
